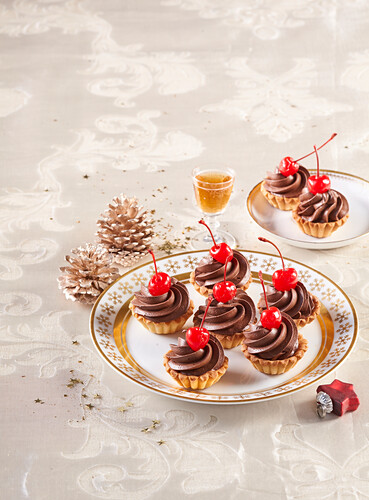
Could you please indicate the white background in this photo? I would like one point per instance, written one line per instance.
(134, 95)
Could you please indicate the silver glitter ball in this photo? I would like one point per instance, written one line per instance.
(324, 404)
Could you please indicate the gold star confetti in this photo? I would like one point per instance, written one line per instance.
(155, 423)
(84, 395)
(160, 442)
(74, 381)
(38, 400)
(75, 342)
(97, 396)
(167, 247)
(145, 429)
(125, 406)
(89, 406)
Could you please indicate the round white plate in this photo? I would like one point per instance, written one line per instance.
(138, 354)
(280, 223)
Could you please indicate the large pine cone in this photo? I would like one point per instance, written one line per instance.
(125, 230)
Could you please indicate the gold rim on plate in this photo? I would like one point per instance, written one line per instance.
(135, 372)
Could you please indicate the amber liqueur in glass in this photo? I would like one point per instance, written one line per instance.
(213, 190)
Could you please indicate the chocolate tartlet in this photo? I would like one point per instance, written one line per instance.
(210, 271)
(227, 321)
(301, 305)
(165, 313)
(274, 351)
(283, 192)
(321, 214)
(196, 369)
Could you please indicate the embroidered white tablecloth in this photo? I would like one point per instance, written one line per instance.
(102, 97)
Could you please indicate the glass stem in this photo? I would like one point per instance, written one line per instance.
(213, 222)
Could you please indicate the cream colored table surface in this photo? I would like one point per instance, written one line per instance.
(99, 97)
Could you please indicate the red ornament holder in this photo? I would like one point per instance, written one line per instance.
(337, 397)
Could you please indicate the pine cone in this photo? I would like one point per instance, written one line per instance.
(125, 230)
(89, 273)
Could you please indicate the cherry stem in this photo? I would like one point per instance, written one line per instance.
(153, 258)
(275, 246)
(206, 311)
(320, 147)
(204, 224)
(317, 161)
(262, 284)
(229, 258)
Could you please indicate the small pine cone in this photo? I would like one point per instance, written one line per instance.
(88, 274)
(125, 230)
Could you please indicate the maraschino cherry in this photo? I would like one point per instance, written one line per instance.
(160, 283)
(283, 279)
(225, 290)
(289, 166)
(318, 183)
(220, 251)
(197, 337)
(271, 317)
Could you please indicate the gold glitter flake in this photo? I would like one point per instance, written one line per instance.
(167, 247)
(74, 381)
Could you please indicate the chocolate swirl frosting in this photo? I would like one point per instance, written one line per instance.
(278, 343)
(166, 307)
(210, 271)
(184, 360)
(297, 302)
(330, 206)
(290, 187)
(228, 318)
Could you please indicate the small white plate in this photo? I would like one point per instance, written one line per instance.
(138, 354)
(280, 223)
